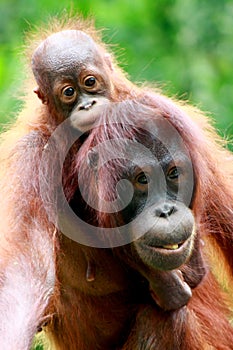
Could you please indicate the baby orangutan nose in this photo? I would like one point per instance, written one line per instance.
(87, 104)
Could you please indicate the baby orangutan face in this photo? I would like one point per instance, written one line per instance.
(73, 77)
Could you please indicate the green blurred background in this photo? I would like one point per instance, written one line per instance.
(184, 46)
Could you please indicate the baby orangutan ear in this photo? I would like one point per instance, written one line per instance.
(40, 95)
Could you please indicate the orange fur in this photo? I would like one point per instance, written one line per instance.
(43, 274)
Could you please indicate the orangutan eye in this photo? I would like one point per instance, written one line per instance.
(68, 94)
(143, 179)
(90, 81)
(69, 91)
(174, 173)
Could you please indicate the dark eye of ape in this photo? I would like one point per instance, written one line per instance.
(143, 179)
(174, 173)
(69, 91)
(90, 81)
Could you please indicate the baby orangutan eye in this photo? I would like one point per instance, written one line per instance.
(69, 91)
(68, 94)
(90, 81)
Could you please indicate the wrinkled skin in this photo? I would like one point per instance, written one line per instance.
(162, 185)
(73, 77)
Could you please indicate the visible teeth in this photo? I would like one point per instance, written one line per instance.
(171, 246)
(88, 106)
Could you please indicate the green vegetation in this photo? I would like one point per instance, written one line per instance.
(185, 47)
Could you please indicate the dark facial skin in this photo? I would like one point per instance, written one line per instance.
(168, 224)
(159, 191)
(73, 77)
(166, 253)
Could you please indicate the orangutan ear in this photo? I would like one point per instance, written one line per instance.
(40, 95)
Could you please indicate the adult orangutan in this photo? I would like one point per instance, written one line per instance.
(83, 296)
(156, 218)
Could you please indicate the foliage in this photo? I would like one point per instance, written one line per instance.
(185, 47)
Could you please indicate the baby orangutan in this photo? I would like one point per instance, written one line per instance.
(75, 77)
